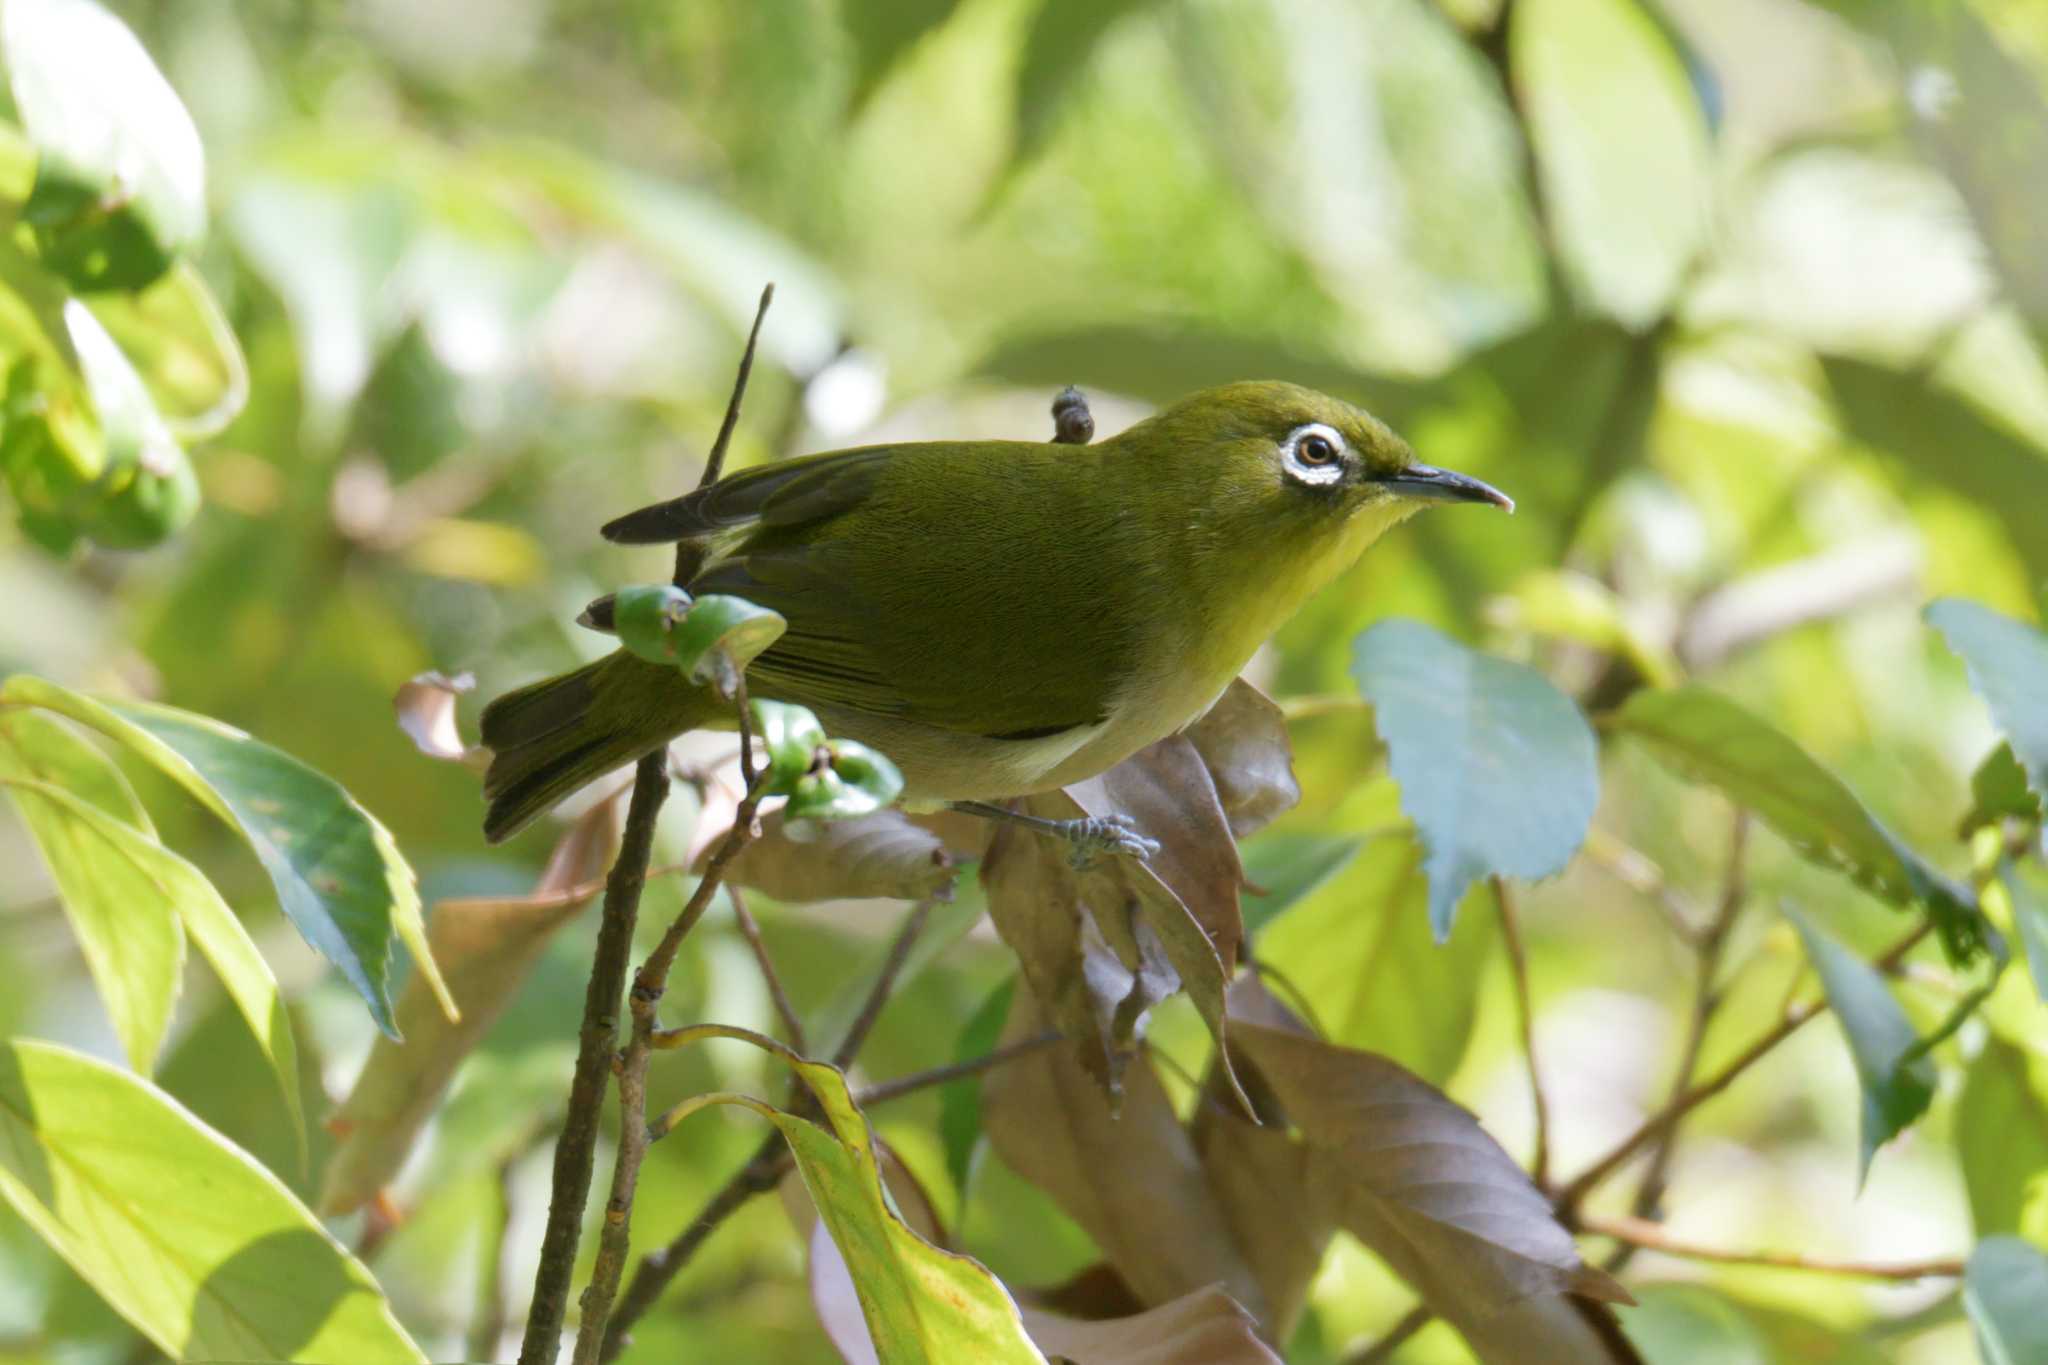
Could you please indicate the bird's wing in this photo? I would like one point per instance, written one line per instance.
(786, 493)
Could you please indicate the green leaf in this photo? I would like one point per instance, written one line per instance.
(1946, 439)
(1688, 1322)
(133, 947)
(789, 737)
(1286, 869)
(121, 186)
(1470, 738)
(146, 490)
(2030, 917)
(922, 1304)
(338, 874)
(1897, 1078)
(1713, 740)
(1999, 791)
(720, 635)
(2004, 1287)
(182, 346)
(856, 781)
(960, 1101)
(1621, 145)
(2008, 664)
(2002, 1137)
(202, 1250)
(645, 616)
(882, 31)
(1063, 37)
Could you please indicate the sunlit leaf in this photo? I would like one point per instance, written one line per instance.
(1712, 739)
(1897, 1081)
(339, 877)
(922, 1304)
(1470, 738)
(146, 489)
(1286, 869)
(121, 185)
(2001, 1136)
(1999, 791)
(881, 854)
(883, 31)
(1946, 439)
(1128, 1174)
(131, 941)
(487, 947)
(960, 1120)
(184, 349)
(202, 1250)
(2004, 1287)
(2008, 663)
(1621, 145)
(1063, 37)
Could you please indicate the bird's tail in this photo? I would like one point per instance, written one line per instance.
(551, 737)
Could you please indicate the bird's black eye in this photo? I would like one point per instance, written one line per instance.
(1315, 449)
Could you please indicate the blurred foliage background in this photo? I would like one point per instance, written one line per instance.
(1744, 300)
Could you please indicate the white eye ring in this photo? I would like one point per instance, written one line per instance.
(1319, 472)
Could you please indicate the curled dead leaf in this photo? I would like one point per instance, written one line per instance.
(486, 947)
(883, 854)
(1243, 743)
(425, 707)
(1205, 1327)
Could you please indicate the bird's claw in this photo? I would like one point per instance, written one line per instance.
(1095, 837)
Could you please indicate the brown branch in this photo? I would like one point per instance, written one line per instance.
(576, 1148)
(690, 553)
(1518, 963)
(885, 983)
(1706, 999)
(1641, 1232)
(750, 930)
(1396, 1337)
(1569, 1199)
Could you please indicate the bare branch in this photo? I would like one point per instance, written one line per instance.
(1518, 963)
(1641, 1232)
(885, 982)
(939, 1075)
(1397, 1336)
(750, 930)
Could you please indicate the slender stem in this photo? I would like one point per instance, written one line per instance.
(885, 1091)
(885, 982)
(1525, 1017)
(1706, 999)
(1397, 1336)
(481, 1341)
(1641, 1232)
(1569, 1199)
(750, 929)
(1635, 870)
(690, 553)
(576, 1149)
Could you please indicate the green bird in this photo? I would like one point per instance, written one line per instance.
(998, 617)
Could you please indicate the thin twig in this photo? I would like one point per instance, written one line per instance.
(1641, 1232)
(1635, 870)
(1706, 999)
(1569, 1199)
(750, 930)
(576, 1149)
(885, 1091)
(615, 1237)
(690, 553)
(1525, 1015)
(885, 983)
(488, 1325)
(1396, 1337)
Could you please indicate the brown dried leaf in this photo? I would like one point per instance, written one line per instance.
(1131, 1176)
(485, 947)
(425, 706)
(882, 854)
(1205, 1327)
(1243, 741)
(1414, 1177)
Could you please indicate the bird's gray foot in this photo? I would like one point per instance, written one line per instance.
(1089, 839)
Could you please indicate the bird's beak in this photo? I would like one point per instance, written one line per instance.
(1428, 483)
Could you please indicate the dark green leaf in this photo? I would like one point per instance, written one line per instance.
(339, 877)
(207, 1254)
(146, 490)
(2008, 664)
(1944, 438)
(1470, 738)
(1287, 868)
(1063, 38)
(2002, 1136)
(1999, 791)
(645, 616)
(720, 635)
(960, 1101)
(882, 31)
(1897, 1080)
(1711, 739)
(2003, 1288)
(121, 185)
(1685, 1322)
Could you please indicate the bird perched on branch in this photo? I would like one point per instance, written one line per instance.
(998, 617)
